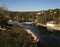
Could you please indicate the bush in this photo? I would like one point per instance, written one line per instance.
(16, 37)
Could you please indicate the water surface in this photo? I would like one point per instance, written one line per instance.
(47, 39)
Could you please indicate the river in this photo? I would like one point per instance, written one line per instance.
(47, 39)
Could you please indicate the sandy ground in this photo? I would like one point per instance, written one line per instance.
(49, 27)
(33, 35)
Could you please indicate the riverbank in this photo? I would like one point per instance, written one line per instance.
(49, 27)
(36, 39)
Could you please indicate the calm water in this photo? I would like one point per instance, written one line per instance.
(47, 39)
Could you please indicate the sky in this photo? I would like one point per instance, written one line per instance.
(30, 5)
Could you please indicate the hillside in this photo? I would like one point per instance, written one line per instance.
(41, 16)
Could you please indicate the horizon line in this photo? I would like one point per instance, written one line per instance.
(32, 10)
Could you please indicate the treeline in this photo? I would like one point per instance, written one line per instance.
(41, 16)
(48, 15)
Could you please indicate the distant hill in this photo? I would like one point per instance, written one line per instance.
(41, 16)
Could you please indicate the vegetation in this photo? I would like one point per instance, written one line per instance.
(16, 36)
(42, 16)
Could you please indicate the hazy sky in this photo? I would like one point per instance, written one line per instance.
(30, 5)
